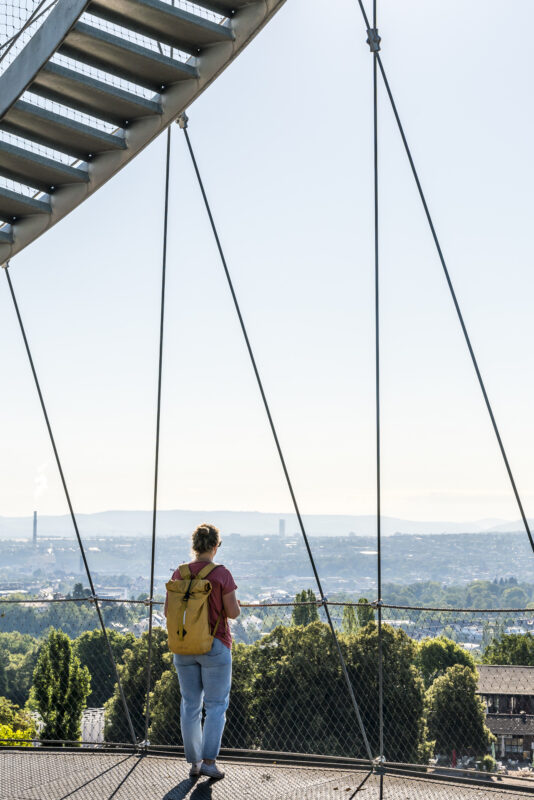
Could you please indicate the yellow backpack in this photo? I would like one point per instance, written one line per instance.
(188, 626)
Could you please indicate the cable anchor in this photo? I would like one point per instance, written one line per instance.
(182, 120)
(373, 39)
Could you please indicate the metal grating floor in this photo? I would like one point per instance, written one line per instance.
(40, 775)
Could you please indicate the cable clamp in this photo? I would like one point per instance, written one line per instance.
(373, 39)
(376, 603)
(92, 598)
(378, 765)
(5, 265)
(182, 120)
(148, 601)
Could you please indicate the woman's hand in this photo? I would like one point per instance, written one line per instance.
(231, 605)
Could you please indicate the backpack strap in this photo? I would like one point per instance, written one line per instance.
(214, 631)
(205, 571)
(185, 572)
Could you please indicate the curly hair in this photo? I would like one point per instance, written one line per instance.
(205, 538)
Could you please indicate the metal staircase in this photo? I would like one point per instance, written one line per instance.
(98, 80)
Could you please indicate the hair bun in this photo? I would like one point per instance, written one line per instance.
(204, 538)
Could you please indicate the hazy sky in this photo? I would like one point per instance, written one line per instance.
(284, 142)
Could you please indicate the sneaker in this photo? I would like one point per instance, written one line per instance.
(194, 772)
(211, 771)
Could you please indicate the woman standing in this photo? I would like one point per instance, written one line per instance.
(207, 678)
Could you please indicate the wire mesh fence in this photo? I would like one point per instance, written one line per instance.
(458, 691)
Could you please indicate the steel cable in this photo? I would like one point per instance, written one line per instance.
(183, 124)
(449, 283)
(94, 597)
(158, 425)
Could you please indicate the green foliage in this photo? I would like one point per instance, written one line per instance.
(4, 664)
(79, 593)
(487, 764)
(455, 714)
(37, 620)
(516, 649)
(364, 612)
(404, 725)
(15, 738)
(133, 674)
(164, 706)
(18, 657)
(305, 614)
(18, 719)
(93, 652)
(60, 688)
(514, 597)
(349, 622)
(435, 656)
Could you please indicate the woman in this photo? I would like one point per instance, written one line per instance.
(207, 677)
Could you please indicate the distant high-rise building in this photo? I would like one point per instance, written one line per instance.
(34, 530)
(281, 527)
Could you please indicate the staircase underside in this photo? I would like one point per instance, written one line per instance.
(97, 82)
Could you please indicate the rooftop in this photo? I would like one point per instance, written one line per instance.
(511, 724)
(505, 680)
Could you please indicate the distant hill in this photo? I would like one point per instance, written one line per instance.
(182, 522)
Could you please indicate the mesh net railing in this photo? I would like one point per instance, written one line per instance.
(458, 686)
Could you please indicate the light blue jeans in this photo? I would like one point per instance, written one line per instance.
(205, 678)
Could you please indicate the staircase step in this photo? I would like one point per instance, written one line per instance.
(36, 170)
(52, 130)
(14, 206)
(91, 96)
(163, 22)
(123, 58)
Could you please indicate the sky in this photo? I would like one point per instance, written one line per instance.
(284, 143)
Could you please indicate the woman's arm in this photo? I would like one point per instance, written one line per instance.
(231, 605)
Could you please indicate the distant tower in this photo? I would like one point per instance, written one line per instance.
(281, 527)
(35, 530)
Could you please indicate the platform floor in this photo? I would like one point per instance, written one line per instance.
(40, 775)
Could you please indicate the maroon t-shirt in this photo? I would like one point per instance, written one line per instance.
(222, 583)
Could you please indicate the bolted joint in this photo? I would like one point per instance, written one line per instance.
(373, 39)
(182, 120)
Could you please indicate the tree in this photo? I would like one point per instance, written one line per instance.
(365, 613)
(295, 697)
(308, 613)
(79, 593)
(16, 738)
(482, 594)
(60, 688)
(349, 622)
(435, 656)
(406, 737)
(18, 719)
(18, 652)
(455, 714)
(133, 674)
(515, 649)
(4, 663)
(92, 650)
(514, 597)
